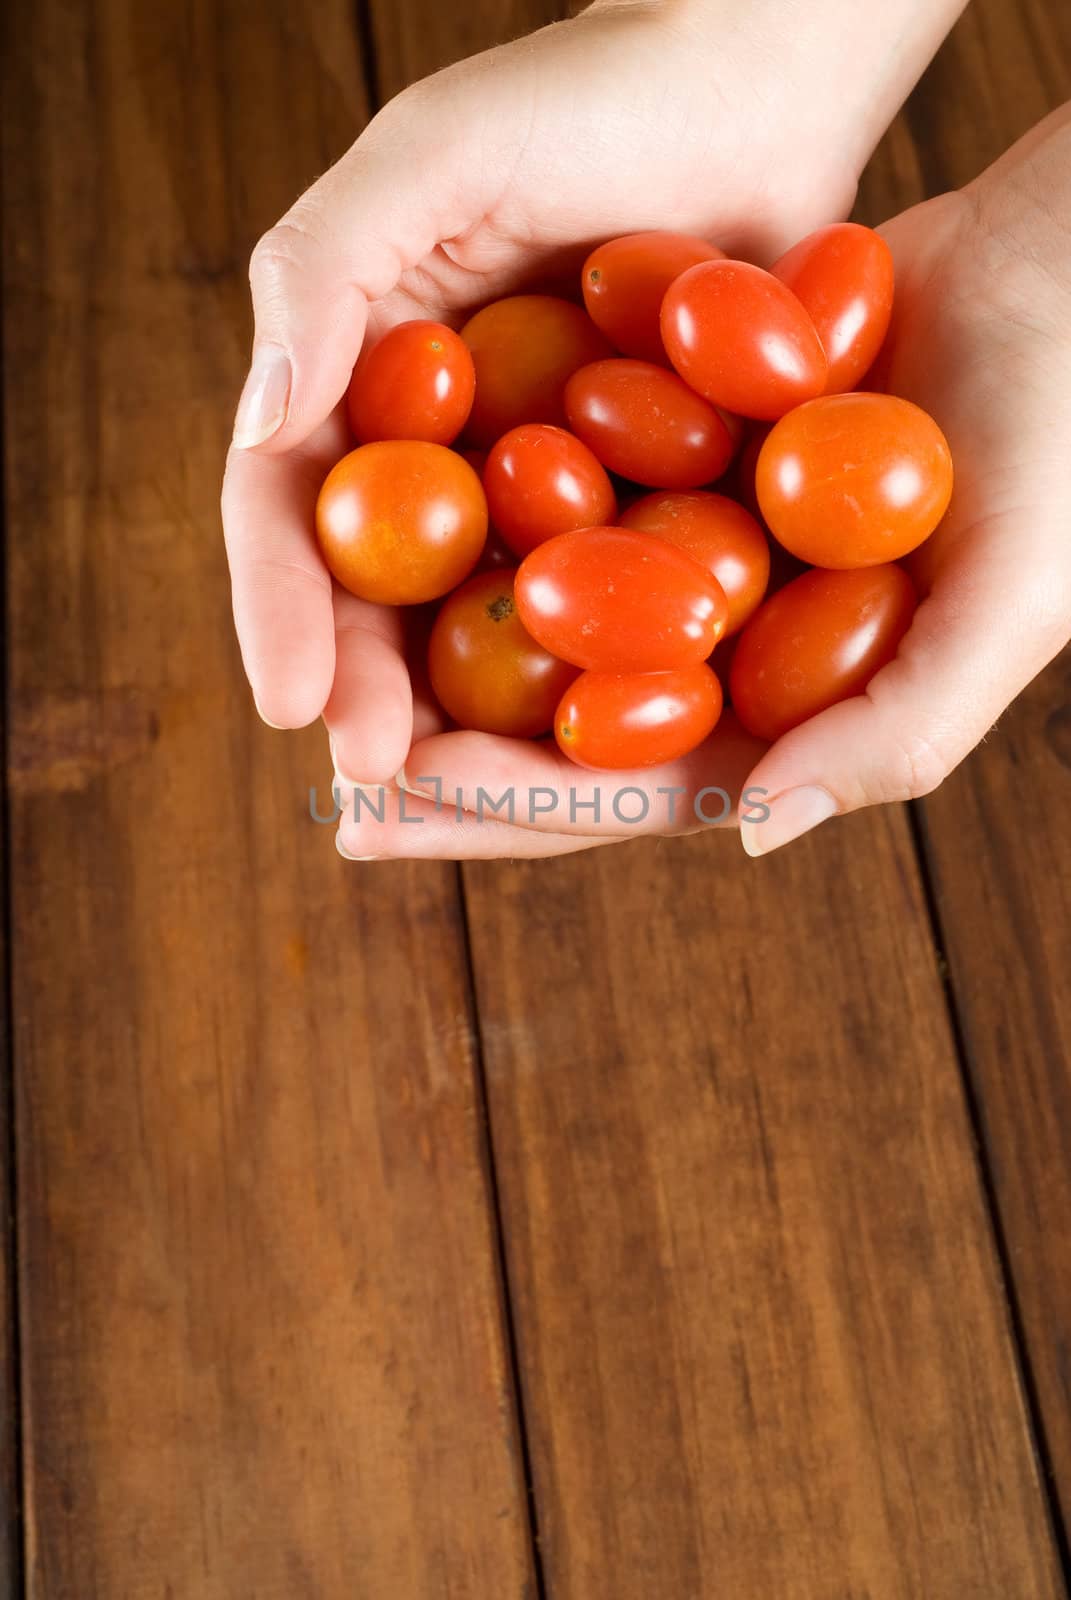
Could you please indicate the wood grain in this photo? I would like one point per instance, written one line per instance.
(264, 1352)
(996, 835)
(760, 1323)
(10, 1473)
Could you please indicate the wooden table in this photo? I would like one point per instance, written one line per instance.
(647, 1225)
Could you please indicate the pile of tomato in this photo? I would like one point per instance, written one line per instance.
(549, 471)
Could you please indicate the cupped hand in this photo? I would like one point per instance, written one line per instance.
(498, 171)
(982, 340)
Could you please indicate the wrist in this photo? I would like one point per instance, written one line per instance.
(846, 67)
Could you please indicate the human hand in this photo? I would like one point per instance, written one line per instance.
(699, 115)
(981, 339)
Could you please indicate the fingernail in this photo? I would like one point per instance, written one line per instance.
(266, 720)
(262, 408)
(409, 787)
(792, 814)
(345, 854)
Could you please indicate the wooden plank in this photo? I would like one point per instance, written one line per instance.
(996, 834)
(761, 1329)
(10, 1473)
(263, 1342)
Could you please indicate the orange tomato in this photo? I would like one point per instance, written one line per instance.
(854, 480)
(401, 521)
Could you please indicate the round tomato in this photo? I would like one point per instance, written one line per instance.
(487, 672)
(524, 349)
(625, 281)
(613, 600)
(539, 481)
(843, 277)
(416, 383)
(720, 534)
(854, 480)
(644, 423)
(618, 720)
(401, 522)
(738, 336)
(819, 640)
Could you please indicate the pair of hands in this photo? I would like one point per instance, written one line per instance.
(508, 168)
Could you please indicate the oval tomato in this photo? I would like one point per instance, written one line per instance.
(487, 671)
(539, 481)
(418, 382)
(720, 534)
(401, 522)
(524, 348)
(625, 282)
(843, 276)
(739, 337)
(646, 424)
(854, 480)
(817, 641)
(613, 600)
(618, 720)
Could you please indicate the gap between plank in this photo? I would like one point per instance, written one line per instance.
(1024, 1363)
(498, 1222)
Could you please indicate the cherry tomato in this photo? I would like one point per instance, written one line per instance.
(401, 521)
(539, 481)
(854, 480)
(487, 672)
(819, 640)
(416, 383)
(619, 720)
(721, 535)
(843, 277)
(742, 339)
(644, 423)
(524, 349)
(625, 282)
(613, 600)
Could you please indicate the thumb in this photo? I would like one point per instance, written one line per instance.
(984, 632)
(377, 212)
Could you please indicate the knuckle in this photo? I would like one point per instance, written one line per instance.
(288, 245)
(911, 765)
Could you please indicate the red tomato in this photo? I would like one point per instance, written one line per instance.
(843, 277)
(739, 337)
(721, 535)
(619, 720)
(644, 423)
(613, 600)
(819, 640)
(524, 349)
(625, 282)
(401, 521)
(539, 481)
(854, 480)
(487, 672)
(416, 383)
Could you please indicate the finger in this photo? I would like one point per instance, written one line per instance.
(983, 633)
(369, 713)
(281, 590)
(346, 242)
(381, 825)
(532, 785)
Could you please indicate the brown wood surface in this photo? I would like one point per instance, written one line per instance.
(762, 1335)
(263, 1338)
(997, 836)
(761, 1331)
